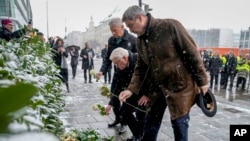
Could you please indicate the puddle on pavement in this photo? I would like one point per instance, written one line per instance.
(233, 94)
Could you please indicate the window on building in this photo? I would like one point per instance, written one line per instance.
(247, 35)
(241, 45)
(242, 34)
(246, 44)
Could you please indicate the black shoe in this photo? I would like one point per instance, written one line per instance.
(85, 81)
(131, 138)
(90, 81)
(122, 129)
(113, 124)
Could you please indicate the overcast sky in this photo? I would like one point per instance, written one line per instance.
(196, 14)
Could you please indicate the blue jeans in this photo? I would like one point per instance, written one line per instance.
(180, 127)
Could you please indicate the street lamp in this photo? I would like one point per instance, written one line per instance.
(146, 8)
(140, 3)
(47, 18)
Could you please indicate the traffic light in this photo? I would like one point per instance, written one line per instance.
(146, 8)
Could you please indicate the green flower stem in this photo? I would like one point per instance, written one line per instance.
(131, 104)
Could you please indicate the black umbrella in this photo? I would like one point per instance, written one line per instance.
(70, 47)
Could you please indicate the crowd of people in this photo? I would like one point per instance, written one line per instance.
(229, 66)
(159, 68)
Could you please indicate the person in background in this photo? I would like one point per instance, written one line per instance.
(125, 62)
(243, 72)
(6, 31)
(74, 53)
(170, 63)
(107, 75)
(60, 55)
(214, 68)
(223, 58)
(51, 41)
(120, 38)
(41, 36)
(230, 69)
(87, 55)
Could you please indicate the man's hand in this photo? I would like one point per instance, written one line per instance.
(143, 101)
(124, 95)
(108, 109)
(204, 89)
(98, 75)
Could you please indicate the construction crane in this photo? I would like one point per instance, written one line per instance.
(111, 14)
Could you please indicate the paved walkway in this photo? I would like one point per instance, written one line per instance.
(78, 113)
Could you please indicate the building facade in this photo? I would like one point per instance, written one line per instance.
(244, 38)
(97, 36)
(213, 37)
(18, 10)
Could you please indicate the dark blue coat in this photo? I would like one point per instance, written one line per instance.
(123, 77)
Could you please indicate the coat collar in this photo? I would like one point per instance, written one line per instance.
(147, 29)
(125, 36)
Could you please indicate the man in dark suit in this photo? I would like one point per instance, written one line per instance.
(120, 38)
(107, 75)
(125, 63)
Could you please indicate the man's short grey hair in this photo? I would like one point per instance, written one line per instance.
(118, 53)
(115, 22)
(132, 12)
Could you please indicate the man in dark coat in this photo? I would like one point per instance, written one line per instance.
(87, 55)
(107, 75)
(60, 55)
(6, 31)
(230, 69)
(74, 53)
(125, 62)
(215, 65)
(120, 38)
(175, 70)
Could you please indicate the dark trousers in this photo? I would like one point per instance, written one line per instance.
(212, 77)
(107, 76)
(154, 119)
(74, 67)
(231, 76)
(65, 75)
(241, 80)
(180, 127)
(222, 78)
(85, 74)
(135, 122)
(116, 109)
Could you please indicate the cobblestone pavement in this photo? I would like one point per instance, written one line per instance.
(78, 113)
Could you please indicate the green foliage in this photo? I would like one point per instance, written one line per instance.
(83, 135)
(13, 98)
(99, 108)
(30, 93)
(29, 62)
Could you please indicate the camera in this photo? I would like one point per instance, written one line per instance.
(30, 21)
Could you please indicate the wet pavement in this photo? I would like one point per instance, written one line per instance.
(233, 108)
